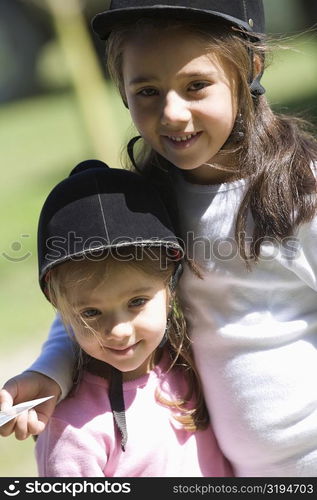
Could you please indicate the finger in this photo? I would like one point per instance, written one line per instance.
(11, 387)
(6, 400)
(21, 426)
(35, 426)
(39, 416)
(7, 429)
(45, 410)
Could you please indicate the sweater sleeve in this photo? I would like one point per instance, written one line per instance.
(65, 450)
(299, 254)
(57, 357)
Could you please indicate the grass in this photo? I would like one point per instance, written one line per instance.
(41, 139)
(17, 458)
(291, 79)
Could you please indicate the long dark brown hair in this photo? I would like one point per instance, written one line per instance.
(276, 154)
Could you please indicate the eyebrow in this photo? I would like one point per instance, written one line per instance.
(206, 74)
(136, 291)
(143, 289)
(141, 79)
(149, 78)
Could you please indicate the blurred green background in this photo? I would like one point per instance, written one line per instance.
(57, 107)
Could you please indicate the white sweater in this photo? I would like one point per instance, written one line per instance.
(254, 337)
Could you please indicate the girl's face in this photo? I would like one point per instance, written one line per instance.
(123, 317)
(182, 99)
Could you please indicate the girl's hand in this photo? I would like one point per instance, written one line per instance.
(24, 387)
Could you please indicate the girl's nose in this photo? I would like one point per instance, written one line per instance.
(175, 110)
(118, 328)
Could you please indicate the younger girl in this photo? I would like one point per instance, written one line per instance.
(239, 183)
(109, 262)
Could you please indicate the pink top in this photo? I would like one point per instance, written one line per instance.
(80, 439)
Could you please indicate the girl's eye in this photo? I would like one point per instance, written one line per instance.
(147, 92)
(90, 313)
(138, 302)
(198, 86)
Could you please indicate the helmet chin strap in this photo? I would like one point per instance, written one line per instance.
(117, 405)
(256, 88)
(98, 367)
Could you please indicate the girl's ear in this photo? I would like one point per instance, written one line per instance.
(257, 65)
(124, 98)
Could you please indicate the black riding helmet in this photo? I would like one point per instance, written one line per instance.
(245, 14)
(96, 209)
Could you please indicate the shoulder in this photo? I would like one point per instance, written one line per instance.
(88, 401)
(172, 382)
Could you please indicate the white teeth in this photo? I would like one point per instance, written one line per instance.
(182, 138)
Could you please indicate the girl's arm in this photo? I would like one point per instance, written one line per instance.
(50, 374)
(56, 360)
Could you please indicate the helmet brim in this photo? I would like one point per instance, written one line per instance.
(104, 22)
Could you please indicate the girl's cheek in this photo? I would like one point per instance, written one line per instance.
(140, 108)
(84, 334)
(138, 115)
(135, 116)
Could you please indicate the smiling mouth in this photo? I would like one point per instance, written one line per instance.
(122, 350)
(182, 140)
